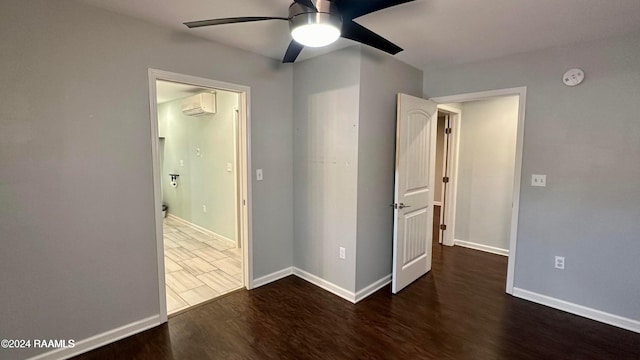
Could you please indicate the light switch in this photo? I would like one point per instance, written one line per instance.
(538, 180)
(259, 174)
(229, 167)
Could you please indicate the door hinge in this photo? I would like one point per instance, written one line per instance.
(447, 131)
(445, 179)
(443, 227)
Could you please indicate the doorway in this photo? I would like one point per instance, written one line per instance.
(200, 160)
(481, 172)
(448, 119)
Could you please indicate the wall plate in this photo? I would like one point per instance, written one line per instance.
(538, 180)
(573, 77)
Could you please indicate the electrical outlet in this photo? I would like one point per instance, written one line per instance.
(181, 162)
(204, 208)
(343, 253)
(560, 262)
(539, 180)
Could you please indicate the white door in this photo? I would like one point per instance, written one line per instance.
(414, 182)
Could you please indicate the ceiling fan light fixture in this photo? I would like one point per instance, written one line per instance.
(317, 23)
(315, 29)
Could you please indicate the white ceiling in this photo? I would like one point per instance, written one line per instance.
(432, 32)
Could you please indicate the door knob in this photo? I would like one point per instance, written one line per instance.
(399, 206)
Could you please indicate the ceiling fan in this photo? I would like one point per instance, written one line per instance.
(317, 23)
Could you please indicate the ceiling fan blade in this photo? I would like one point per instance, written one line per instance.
(201, 23)
(293, 51)
(307, 3)
(356, 32)
(351, 9)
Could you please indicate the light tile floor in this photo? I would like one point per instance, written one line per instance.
(198, 266)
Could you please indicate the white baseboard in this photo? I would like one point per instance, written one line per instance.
(99, 340)
(122, 332)
(363, 293)
(589, 313)
(324, 284)
(481, 247)
(201, 229)
(274, 276)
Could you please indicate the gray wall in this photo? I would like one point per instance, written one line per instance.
(77, 223)
(586, 139)
(344, 161)
(381, 79)
(204, 179)
(326, 96)
(486, 165)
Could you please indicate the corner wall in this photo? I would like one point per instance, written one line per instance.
(326, 94)
(382, 78)
(344, 163)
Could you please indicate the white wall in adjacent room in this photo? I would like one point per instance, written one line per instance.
(486, 168)
(199, 149)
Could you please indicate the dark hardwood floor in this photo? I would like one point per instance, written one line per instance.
(457, 311)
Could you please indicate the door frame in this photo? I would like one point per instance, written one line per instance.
(238, 163)
(449, 203)
(244, 149)
(521, 92)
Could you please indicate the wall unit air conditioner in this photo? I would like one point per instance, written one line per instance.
(200, 104)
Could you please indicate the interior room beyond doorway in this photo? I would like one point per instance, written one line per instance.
(198, 155)
(476, 153)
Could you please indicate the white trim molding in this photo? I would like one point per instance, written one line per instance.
(324, 284)
(451, 158)
(99, 340)
(365, 292)
(244, 178)
(589, 313)
(274, 276)
(133, 328)
(481, 247)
